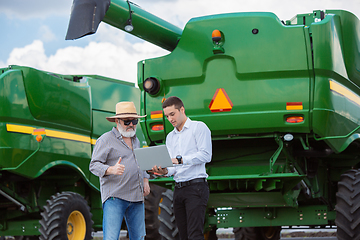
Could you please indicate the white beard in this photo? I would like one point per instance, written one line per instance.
(126, 133)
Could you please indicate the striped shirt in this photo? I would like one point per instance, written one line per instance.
(108, 149)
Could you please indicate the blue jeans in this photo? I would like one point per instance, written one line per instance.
(115, 209)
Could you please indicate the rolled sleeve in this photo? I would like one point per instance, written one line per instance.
(146, 175)
(97, 164)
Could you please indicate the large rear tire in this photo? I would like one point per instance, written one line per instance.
(348, 206)
(152, 210)
(269, 233)
(245, 233)
(211, 235)
(257, 233)
(168, 229)
(66, 216)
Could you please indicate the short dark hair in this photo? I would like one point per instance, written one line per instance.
(173, 101)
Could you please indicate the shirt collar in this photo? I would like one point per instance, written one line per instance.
(186, 125)
(116, 132)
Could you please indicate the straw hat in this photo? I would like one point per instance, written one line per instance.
(125, 110)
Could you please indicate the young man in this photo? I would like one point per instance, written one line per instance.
(190, 148)
(122, 184)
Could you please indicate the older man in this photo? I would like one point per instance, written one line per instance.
(123, 185)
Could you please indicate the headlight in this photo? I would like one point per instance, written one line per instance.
(151, 85)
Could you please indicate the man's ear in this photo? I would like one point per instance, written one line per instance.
(182, 110)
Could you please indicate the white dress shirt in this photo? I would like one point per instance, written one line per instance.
(193, 143)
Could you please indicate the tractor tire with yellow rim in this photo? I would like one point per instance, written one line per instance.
(168, 229)
(66, 216)
(152, 211)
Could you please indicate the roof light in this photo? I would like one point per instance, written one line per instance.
(218, 42)
(129, 27)
(216, 35)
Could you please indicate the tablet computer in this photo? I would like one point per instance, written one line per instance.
(148, 157)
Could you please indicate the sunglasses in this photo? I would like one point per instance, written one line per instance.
(127, 122)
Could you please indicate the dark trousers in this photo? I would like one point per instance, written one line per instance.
(189, 208)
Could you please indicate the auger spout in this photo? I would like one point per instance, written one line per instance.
(87, 15)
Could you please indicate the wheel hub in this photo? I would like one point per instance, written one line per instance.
(269, 232)
(76, 226)
(70, 228)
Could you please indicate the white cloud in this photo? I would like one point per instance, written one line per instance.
(33, 53)
(100, 58)
(46, 34)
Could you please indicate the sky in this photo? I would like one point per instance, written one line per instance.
(33, 32)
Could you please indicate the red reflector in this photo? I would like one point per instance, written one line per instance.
(39, 131)
(156, 114)
(157, 127)
(295, 119)
(294, 106)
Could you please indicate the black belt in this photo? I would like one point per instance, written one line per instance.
(187, 183)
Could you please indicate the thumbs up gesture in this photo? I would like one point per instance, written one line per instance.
(117, 169)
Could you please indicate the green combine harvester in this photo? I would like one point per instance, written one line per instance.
(282, 102)
(49, 124)
(281, 98)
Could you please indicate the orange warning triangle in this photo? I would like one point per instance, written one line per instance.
(220, 101)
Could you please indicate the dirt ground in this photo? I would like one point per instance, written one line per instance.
(283, 235)
(230, 235)
(292, 235)
(309, 234)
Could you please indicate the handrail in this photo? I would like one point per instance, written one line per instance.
(336, 137)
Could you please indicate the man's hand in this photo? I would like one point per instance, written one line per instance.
(159, 170)
(146, 187)
(174, 161)
(117, 169)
